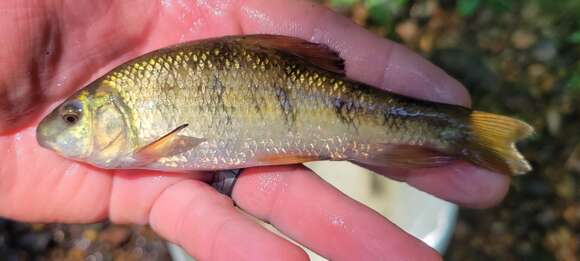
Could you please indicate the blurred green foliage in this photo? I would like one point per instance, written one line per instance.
(469, 7)
(575, 37)
(343, 3)
(574, 83)
(381, 12)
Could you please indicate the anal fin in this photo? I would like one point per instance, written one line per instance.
(404, 157)
(286, 159)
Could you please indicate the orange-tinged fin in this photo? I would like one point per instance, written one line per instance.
(317, 54)
(491, 143)
(168, 145)
(286, 159)
(405, 157)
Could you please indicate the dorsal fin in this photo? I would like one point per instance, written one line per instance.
(317, 54)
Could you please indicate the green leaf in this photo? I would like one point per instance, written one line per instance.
(467, 7)
(343, 3)
(499, 5)
(379, 12)
(574, 37)
(574, 83)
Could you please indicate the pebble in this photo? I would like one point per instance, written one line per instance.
(523, 39)
(537, 187)
(573, 162)
(407, 30)
(566, 187)
(423, 9)
(554, 120)
(545, 51)
(572, 214)
(547, 217)
(115, 235)
(3, 223)
(34, 241)
(536, 70)
(7, 254)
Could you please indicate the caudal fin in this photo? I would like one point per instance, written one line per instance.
(491, 143)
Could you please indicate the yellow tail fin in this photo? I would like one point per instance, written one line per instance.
(492, 143)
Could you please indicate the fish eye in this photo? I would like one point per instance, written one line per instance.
(70, 118)
(71, 112)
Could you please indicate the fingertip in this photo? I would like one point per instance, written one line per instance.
(410, 74)
(462, 183)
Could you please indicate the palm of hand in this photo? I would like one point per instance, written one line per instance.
(53, 48)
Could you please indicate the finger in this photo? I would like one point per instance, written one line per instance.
(134, 192)
(369, 58)
(207, 225)
(385, 64)
(462, 183)
(458, 182)
(312, 212)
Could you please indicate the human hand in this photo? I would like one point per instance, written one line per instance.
(51, 48)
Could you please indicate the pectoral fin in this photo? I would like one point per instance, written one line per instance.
(169, 145)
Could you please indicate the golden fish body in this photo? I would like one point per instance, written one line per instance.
(245, 101)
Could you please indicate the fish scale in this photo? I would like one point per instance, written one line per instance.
(244, 101)
(223, 92)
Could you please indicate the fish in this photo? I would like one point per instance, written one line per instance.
(241, 101)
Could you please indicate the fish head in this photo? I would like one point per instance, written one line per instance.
(67, 129)
(89, 126)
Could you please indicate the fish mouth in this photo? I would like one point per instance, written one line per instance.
(45, 132)
(43, 139)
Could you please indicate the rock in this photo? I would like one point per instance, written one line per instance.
(566, 187)
(553, 120)
(35, 241)
(572, 214)
(115, 235)
(8, 254)
(90, 234)
(530, 11)
(423, 9)
(3, 223)
(360, 14)
(523, 39)
(573, 162)
(408, 31)
(536, 70)
(547, 217)
(426, 42)
(537, 187)
(545, 51)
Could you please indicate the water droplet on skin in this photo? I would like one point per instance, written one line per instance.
(337, 221)
(166, 3)
(71, 170)
(270, 182)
